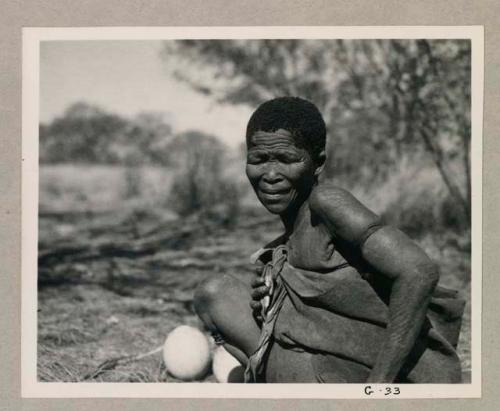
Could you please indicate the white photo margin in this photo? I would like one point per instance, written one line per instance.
(31, 388)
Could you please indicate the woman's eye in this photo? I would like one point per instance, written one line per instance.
(288, 158)
(255, 158)
(285, 158)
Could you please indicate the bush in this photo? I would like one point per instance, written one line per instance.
(415, 199)
(201, 187)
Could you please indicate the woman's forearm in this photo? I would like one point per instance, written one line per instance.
(410, 296)
(414, 276)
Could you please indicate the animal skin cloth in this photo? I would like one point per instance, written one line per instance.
(331, 309)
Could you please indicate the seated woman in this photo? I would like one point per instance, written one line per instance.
(340, 297)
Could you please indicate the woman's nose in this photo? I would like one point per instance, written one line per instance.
(272, 176)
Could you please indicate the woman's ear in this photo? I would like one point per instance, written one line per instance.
(320, 163)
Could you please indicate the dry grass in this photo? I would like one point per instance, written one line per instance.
(69, 187)
(82, 326)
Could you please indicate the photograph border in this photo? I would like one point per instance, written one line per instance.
(30, 106)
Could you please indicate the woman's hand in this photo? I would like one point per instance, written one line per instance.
(259, 291)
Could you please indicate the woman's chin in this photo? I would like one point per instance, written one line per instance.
(278, 205)
(275, 208)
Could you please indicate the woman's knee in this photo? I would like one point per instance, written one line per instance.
(222, 303)
(210, 292)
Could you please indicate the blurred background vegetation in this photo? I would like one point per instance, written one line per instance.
(391, 107)
(132, 209)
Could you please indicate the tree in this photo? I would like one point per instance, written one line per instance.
(381, 99)
(147, 139)
(88, 134)
(82, 134)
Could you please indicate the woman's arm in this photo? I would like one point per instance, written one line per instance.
(414, 277)
(393, 255)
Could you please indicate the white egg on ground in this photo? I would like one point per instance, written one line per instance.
(225, 367)
(186, 353)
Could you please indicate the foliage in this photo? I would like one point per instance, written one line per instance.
(88, 134)
(201, 186)
(381, 99)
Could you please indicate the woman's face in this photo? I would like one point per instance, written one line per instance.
(281, 173)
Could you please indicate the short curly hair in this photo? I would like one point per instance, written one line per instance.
(294, 114)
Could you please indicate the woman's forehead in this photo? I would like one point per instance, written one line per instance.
(279, 137)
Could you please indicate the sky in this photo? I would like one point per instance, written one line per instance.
(126, 78)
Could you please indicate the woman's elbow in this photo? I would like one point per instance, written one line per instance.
(426, 275)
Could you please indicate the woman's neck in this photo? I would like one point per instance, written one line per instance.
(290, 217)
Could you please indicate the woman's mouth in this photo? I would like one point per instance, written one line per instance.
(274, 194)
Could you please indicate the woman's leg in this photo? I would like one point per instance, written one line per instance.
(285, 366)
(223, 304)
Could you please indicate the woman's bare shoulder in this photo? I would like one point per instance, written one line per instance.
(326, 192)
(345, 215)
(335, 201)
